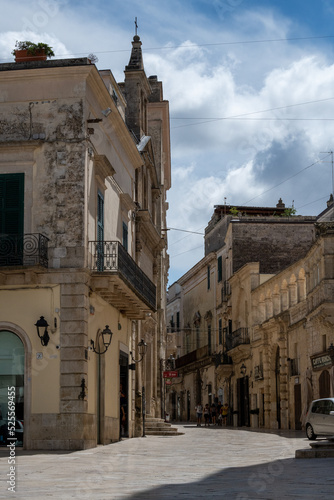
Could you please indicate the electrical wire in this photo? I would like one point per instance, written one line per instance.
(209, 120)
(183, 230)
(287, 179)
(187, 251)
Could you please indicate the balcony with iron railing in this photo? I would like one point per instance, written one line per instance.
(237, 338)
(191, 357)
(119, 279)
(258, 372)
(23, 250)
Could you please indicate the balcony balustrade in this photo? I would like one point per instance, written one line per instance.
(191, 357)
(23, 250)
(237, 338)
(111, 257)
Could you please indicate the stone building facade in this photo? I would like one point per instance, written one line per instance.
(272, 312)
(83, 205)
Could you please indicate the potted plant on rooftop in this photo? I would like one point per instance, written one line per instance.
(29, 51)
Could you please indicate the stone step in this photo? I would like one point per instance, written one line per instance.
(163, 433)
(153, 419)
(158, 427)
(315, 453)
(319, 449)
(157, 424)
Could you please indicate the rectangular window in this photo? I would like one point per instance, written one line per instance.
(220, 331)
(11, 219)
(11, 203)
(208, 277)
(220, 269)
(125, 236)
(100, 231)
(178, 321)
(209, 340)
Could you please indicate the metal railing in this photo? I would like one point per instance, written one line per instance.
(23, 250)
(192, 356)
(238, 337)
(258, 372)
(111, 256)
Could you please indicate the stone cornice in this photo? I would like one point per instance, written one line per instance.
(103, 167)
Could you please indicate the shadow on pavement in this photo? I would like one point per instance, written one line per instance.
(277, 480)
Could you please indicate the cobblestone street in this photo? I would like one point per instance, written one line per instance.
(213, 462)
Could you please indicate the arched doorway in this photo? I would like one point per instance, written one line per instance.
(11, 386)
(324, 385)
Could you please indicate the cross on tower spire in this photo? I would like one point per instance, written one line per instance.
(136, 26)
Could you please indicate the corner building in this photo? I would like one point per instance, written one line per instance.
(84, 171)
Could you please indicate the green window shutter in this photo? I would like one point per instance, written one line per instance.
(11, 203)
(100, 217)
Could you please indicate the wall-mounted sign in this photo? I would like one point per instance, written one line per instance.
(170, 374)
(320, 361)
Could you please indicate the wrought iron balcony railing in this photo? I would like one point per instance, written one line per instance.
(23, 250)
(111, 256)
(238, 337)
(258, 372)
(221, 358)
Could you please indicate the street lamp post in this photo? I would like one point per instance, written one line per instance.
(142, 349)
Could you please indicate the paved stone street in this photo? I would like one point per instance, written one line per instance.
(237, 464)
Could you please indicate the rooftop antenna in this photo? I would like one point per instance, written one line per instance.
(136, 26)
(332, 162)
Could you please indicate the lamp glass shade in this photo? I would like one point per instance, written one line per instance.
(330, 351)
(142, 348)
(107, 336)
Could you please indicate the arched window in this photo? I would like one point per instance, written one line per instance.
(11, 384)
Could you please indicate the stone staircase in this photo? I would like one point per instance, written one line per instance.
(158, 427)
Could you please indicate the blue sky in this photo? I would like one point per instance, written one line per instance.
(250, 86)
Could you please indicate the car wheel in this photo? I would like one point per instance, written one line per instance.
(310, 433)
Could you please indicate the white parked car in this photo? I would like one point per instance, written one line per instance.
(320, 418)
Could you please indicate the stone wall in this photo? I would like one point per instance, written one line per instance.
(275, 244)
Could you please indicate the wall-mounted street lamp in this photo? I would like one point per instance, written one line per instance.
(106, 339)
(41, 325)
(170, 363)
(142, 349)
(243, 369)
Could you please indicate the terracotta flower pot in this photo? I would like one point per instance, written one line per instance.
(24, 56)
